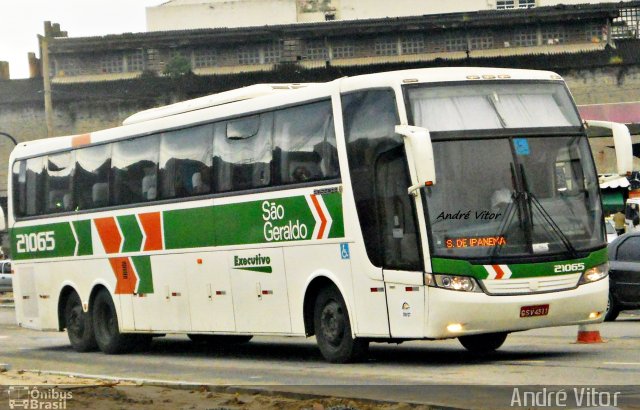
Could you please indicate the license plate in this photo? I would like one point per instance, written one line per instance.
(535, 310)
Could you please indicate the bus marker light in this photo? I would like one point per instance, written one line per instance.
(199, 261)
(267, 292)
(411, 288)
(377, 290)
(220, 292)
(594, 315)
(454, 328)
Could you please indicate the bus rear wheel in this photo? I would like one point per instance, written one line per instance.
(105, 325)
(221, 340)
(485, 343)
(333, 329)
(79, 325)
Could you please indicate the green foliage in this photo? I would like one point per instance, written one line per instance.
(177, 67)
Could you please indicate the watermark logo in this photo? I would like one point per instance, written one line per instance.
(37, 397)
(574, 397)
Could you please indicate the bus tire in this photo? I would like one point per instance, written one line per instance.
(333, 329)
(105, 326)
(222, 340)
(612, 311)
(79, 325)
(485, 343)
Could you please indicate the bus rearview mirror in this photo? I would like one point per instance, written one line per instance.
(622, 143)
(417, 142)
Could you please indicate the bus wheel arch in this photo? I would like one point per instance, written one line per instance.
(311, 294)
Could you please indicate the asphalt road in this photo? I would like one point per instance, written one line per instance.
(439, 372)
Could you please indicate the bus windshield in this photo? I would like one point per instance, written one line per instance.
(514, 195)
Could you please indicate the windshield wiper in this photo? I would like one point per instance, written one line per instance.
(546, 216)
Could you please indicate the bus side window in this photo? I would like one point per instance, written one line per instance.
(34, 186)
(242, 150)
(185, 162)
(305, 144)
(20, 188)
(91, 177)
(370, 118)
(134, 170)
(58, 186)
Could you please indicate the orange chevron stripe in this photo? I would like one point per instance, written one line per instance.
(323, 218)
(152, 226)
(499, 271)
(109, 234)
(125, 275)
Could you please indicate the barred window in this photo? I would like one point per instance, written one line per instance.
(342, 50)
(273, 53)
(455, 43)
(413, 45)
(112, 63)
(481, 41)
(68, 66)
(505, 4)
(248, 55)
(316, 50)
(205, 57)
(135, 60)
(526, 4)
(593, 32)
(525, 38)
(554, 35)
(386, 46)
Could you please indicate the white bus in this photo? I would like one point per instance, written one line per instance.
(420, 204)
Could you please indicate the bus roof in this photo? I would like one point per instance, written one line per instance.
(225, 97)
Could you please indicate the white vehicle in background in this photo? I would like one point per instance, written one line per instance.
(632, 214)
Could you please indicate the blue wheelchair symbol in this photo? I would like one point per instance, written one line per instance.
(344, 251)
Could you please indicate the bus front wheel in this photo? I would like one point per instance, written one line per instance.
(333, 329)
(105, 325)
(484, 343)
(79, 325)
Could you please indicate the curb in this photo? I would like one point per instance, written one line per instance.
(271, 390)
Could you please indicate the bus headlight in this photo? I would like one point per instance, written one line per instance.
(452, 282)
(595, 274)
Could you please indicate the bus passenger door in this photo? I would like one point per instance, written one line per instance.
(259, 283)
(398, 229)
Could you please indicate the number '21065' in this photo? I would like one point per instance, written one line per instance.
(35, 242)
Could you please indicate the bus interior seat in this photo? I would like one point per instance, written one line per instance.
(149, 190)
(100, 194)
(301, 166)
(198, 185)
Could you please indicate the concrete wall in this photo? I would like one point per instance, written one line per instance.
(213, 14)
(181, 15)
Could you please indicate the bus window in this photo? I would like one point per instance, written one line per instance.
(185, 162)
(134, 170)
(305, 144)
(242, 152)
(369, 120)
(58, 186)
(34, 186)
(19, 188)
(91, 176)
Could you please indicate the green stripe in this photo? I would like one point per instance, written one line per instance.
(231, 224)
(263, 269)
(83, 231)
(521, 270)
(143, 268)
(131, 232)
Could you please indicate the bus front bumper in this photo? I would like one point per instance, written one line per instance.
(454, 313)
